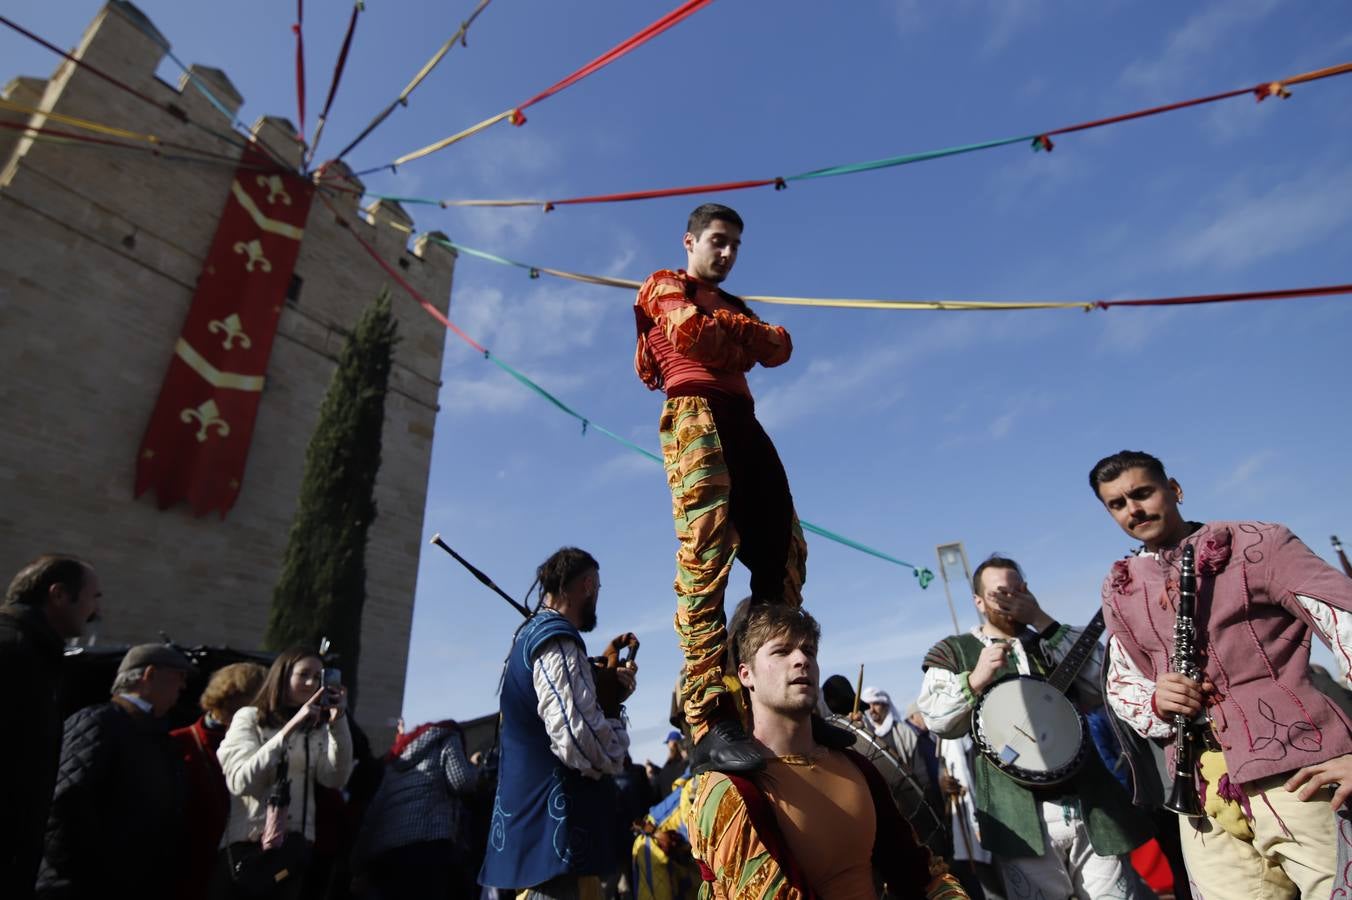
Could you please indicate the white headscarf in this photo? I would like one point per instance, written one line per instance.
(877, 695)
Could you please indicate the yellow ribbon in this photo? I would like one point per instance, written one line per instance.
(445, 48)
(455, 138)
(79, 123)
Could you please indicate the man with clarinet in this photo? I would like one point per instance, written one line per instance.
(1209, 629)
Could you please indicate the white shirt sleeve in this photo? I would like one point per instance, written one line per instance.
(1130, 693)
(1336, 629)
(946, 702)
(579, 733)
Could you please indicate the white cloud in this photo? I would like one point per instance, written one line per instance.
(1127, 330)
(1188, 46)
(624, 464)
(1248, 224)
(1242, 475)
(540, 320)
(1006, 18)
(1004, 424)
(1016, 406)
(1035, 177)
(1000, 21)
(496, 391)
(841, 382)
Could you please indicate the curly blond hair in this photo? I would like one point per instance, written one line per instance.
(233, 685)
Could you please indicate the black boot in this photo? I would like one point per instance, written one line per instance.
(726, 748)
(832, 736)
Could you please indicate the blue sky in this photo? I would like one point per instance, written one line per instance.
(902, 430)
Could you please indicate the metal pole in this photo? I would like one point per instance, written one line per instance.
(957, 629)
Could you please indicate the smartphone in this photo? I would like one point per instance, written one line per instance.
(332, 680)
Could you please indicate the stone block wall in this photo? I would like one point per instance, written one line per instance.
(101, 252)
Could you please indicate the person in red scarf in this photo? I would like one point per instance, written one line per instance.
(206, 800)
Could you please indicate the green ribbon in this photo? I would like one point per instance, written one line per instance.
(889, 162)
(923, 576)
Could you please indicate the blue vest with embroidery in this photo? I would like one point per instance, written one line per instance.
(548, 820)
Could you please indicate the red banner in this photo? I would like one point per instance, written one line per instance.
(197, 441)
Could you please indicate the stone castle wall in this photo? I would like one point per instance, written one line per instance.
(100, 254)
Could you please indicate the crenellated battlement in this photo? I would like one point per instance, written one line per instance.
(103, 250)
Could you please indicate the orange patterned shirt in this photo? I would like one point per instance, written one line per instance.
(692, 333)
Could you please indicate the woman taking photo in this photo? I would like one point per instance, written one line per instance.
(296, 731)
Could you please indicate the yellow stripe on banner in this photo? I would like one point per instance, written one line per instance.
(87, 125)
(213, 376)
(262, 221)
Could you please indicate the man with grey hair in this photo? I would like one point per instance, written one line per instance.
(48, 602)
(117, 819)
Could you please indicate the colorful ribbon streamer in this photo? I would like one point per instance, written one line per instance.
(51, 135)
(298, 30)
(402, 99)
(1038, 140)
(944, 305)
(177, 112)
(923, 575)
(338, 68)
(514, 114)
(87, 125)
(241, 139)
(672, 18)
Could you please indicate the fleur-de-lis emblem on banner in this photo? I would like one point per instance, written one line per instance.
(206, 416)
(274, 185)
(254, 250)
(234, 330)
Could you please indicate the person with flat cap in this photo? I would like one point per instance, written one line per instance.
(116, 818)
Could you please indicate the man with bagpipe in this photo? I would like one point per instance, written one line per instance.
(563, 733)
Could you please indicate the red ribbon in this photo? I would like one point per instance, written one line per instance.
(300, 67)
(675, 16)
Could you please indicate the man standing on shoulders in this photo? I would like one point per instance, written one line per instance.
(117, 818)
(1271, 745)
(49, 601)
(1069, 839)
(563, 733)
(818, 822)
(730, 496)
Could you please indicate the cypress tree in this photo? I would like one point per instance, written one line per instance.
(323, 581)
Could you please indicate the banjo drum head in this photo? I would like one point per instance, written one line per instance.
(1030, 730)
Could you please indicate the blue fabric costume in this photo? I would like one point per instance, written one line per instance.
(548, 820)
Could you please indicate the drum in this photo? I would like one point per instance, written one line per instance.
(906, 792)
(1030, 731)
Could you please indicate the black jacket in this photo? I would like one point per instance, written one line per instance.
(117, 820)
(30, 669)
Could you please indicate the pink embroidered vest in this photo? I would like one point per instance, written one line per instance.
(1253, 640)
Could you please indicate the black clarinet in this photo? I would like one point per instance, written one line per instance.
(1187, 738)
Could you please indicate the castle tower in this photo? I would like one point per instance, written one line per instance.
(102, 251)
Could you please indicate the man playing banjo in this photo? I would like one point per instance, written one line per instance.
(1061, 829)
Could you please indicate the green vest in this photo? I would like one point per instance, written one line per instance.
(1007, 813)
